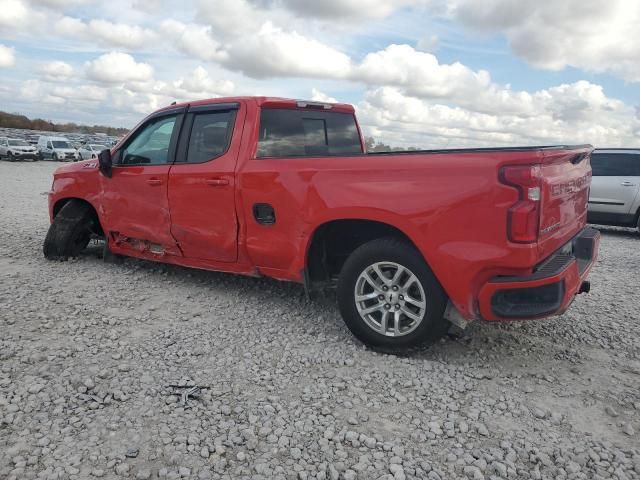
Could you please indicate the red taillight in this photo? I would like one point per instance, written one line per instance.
(523, 217)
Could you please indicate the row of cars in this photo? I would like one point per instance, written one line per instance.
(51, 147)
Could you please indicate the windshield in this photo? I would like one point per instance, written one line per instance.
(18, 143)
(60, 144)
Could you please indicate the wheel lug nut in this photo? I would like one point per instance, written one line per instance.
(387, 306)
(385, 288)
(380, 297)
(401, 297)
(395, 288)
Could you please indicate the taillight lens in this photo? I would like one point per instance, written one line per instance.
(523, 218)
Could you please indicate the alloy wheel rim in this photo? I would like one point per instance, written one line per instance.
(390, 299)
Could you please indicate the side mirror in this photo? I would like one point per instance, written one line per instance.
(105, 163)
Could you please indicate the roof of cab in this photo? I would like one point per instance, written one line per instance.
(271, 102)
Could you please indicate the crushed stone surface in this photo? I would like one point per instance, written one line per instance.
(89, 350)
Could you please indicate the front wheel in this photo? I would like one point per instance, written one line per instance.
(389, 297)
(54, 157)
(70, 231)
(10, 157)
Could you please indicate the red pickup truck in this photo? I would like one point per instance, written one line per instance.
(413, 241)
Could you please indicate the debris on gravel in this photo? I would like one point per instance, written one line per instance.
(88, 348)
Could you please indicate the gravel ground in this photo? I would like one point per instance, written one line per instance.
(88, 349)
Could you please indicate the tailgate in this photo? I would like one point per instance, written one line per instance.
(566, 178)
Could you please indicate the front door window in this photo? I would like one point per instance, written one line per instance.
(150, 146)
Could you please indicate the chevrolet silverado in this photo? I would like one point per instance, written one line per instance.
(412, 241)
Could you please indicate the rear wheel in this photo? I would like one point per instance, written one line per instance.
(70, 231)
(389, 298)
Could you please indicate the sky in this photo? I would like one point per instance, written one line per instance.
(422, 73)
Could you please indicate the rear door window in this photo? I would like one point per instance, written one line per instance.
(307, 133)
(210, 135)
(615, 164)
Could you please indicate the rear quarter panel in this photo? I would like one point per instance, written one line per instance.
(451, 206)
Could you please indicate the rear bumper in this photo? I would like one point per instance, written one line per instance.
(549, 290)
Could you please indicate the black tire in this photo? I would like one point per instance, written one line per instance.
(10, 157)
(54, 157)
(432, 325)
(70, 231)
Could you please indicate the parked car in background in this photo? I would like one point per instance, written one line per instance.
(56, 149)
(285, 188)
(615, 188)
(90, 150)
(17, 149)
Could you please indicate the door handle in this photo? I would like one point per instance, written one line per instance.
(217, 182)
(627, 183)
(154, 182)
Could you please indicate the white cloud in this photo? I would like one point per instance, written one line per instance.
(347, 9)
(273, 52)
(60, 4)
(57, 70)
(268, 52)
(569, 113)
(69, 26)
(121, 35)
(218, 14)
(593, 35)
(58, 94)
(13, 14)
(318, 96)
(106, 33)
(36, 91)
(412, 96)
(428, 43)
(7, 56)
(198, 84)
(118, 67)
(193, 40)
(90, 93)
(419, 73)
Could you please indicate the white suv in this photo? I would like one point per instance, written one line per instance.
(615, 188)
(17, 149)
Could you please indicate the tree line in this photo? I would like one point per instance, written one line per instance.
(374, 146)
(13, 120)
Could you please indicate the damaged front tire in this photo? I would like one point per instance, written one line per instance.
(70, 231)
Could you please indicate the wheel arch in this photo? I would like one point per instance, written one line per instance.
(63, 201)
(332, 241)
